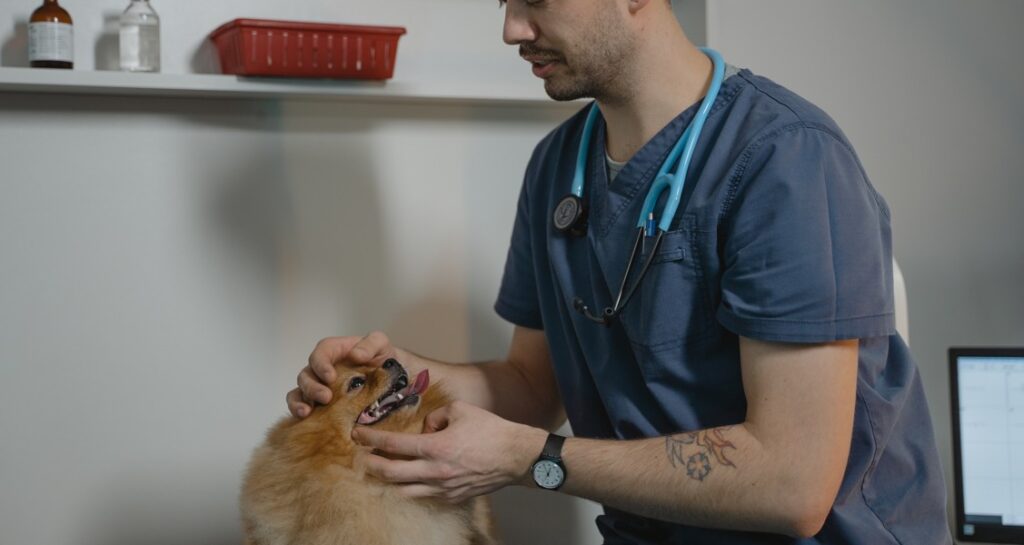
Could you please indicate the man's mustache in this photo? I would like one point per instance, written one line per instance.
(535, 52)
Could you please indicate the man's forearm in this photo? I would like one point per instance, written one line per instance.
(721, 477)
(496, 386)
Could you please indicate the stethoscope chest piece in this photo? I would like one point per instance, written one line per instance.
(570, 216)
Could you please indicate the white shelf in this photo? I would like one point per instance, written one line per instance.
(34, 80)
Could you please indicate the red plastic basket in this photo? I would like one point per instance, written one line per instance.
(257, 47)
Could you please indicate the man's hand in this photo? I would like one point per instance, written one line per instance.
(314, 379)
(464, 452)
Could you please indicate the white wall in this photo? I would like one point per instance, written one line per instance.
(931, 93)
(168, 264)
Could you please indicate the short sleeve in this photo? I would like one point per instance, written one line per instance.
(806, 246)
(518, 300)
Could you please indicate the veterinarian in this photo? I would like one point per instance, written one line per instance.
(752, 385)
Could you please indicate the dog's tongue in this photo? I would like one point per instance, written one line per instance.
(419, 385)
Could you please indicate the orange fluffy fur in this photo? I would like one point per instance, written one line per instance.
(305, 484)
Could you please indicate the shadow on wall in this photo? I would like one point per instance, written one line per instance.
(336, 245)
(107, 49)
(305, 219)
(205, 59)
(251, 208)
(14, 51)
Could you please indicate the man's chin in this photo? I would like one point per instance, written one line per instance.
(563, 93)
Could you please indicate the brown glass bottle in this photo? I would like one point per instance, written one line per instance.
(51, 41)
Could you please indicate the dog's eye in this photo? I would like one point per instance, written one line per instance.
(356, 383)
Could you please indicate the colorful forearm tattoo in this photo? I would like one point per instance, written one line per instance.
(699, 452)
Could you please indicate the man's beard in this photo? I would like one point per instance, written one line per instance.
(597, 80)
(568, 88)
(600, 71)
(557, 91)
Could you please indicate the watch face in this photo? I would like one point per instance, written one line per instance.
(548, 474)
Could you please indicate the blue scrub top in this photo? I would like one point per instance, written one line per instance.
(781, 237)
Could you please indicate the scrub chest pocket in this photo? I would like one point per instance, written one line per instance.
(672, 308)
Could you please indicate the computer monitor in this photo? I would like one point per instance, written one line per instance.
(987, 398)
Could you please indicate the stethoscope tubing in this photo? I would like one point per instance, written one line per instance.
(688, 141)
(684, 147)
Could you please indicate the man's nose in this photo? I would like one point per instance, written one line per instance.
(518, 27)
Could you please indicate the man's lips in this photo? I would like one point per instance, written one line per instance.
(542, 61)
(542, 68)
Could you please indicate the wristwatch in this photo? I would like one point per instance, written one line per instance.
(549, 471)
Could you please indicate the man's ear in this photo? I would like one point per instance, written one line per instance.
(637, 5)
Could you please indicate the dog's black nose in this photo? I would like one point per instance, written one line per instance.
(390, 363)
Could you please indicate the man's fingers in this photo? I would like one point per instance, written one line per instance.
(366, 350)
(328, 351)
(420, 490)
(437, 420)
(402, 444)
(370, 347)
(312, 389)
(296, 405)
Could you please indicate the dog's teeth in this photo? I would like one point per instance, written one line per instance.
(400, 397)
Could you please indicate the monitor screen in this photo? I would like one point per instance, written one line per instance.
(987, 395)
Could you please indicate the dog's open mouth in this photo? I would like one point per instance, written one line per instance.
(401, 394)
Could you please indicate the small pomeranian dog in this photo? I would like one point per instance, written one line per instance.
(305, 486)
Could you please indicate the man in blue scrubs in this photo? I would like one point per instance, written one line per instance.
(754, 390)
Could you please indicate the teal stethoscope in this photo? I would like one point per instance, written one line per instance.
(570, 215)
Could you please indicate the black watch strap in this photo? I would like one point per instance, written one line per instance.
(553, 447)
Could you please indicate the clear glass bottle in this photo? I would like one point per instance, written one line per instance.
(140, 38)
(51, 42)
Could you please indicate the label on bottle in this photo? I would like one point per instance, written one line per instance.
(51, 42)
